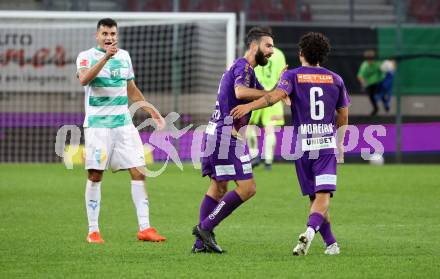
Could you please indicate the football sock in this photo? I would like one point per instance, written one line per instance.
(224, 208)
(252, 142)
(315, 221)
(269, 144)
(207, 206)
(93, 204)
(140, 200)
(326, 233)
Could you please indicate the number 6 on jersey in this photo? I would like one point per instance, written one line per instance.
(316, 106)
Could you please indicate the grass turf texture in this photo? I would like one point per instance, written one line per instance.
(386, 220)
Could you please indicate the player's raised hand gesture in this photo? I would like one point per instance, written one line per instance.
(240, 111)
(111, 50)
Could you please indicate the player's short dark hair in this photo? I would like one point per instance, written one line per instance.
(255, 34)
(109, 22)
(314, 47)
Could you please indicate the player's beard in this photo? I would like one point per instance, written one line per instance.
(260, 58)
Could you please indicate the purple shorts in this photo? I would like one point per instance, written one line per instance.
(222, 162)
(315, 175)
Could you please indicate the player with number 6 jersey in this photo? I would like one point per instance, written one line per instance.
(315, 94)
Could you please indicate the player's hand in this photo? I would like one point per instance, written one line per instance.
(111, 50)
(159, 120)
(286, 100)
(340, 155)
(240, 111)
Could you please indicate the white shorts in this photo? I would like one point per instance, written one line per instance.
(119, 148)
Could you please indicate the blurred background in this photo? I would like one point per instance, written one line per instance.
(179, 61)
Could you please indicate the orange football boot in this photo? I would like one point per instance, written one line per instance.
(150, 234)
(95, 237)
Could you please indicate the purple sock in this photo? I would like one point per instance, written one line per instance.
(207, 206)
(225, 207)
(315, 221)
(326, 233)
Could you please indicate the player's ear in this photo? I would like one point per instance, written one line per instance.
(254, 46)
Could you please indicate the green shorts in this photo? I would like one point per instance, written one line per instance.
(264, 116)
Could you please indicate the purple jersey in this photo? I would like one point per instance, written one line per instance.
(315, 94)
(240, 73)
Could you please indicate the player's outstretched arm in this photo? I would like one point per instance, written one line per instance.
(85, 76)
(250, 94)
(341, 126)
(265, 101)
(135, 95)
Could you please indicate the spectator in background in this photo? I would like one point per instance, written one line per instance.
(370, 76)
(388, 67)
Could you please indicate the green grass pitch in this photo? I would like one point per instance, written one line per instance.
(386, 219)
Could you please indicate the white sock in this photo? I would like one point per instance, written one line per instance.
(252, 141)
(269, 145)
(310, 233)
(93, 204)
(140, 200)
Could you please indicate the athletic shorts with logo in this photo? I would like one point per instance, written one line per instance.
(118, 148)
(222, 162)
(315, 175)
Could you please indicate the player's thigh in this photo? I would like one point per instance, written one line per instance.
(128, 149)
(98, 148)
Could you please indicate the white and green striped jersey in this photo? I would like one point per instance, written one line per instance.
(106, 100)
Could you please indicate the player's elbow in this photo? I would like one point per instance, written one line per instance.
(83, 81)
(342, 116)
(240, 93)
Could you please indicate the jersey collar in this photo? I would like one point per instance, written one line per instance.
(100, 49)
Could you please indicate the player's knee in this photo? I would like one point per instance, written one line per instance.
(138, 176)
(221, 192)
(95, 176)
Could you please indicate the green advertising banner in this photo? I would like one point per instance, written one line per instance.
(419, 63)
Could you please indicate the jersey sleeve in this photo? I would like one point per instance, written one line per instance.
(243, 75)
(130, 75)
(285, 83)
(82, 61)
(343, 99)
